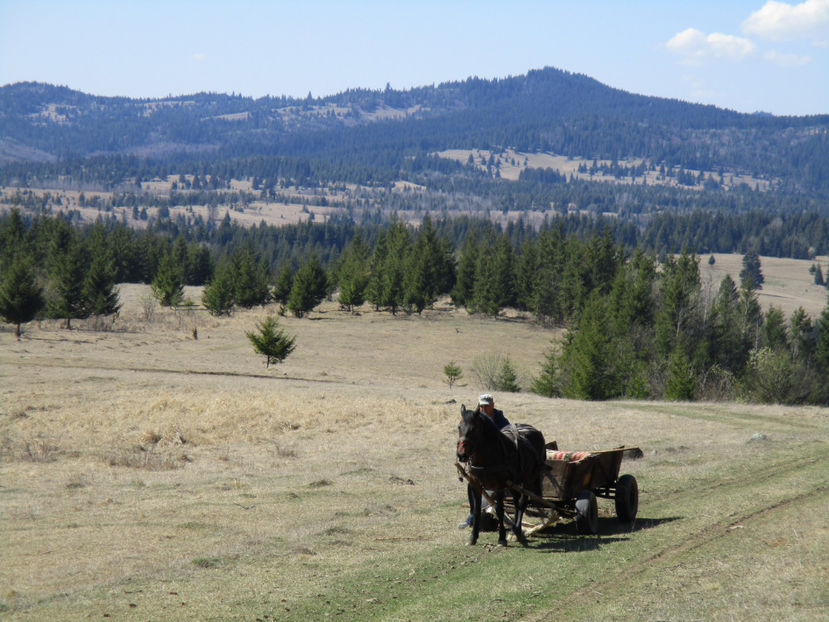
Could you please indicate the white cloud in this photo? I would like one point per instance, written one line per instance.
(786, 60)
(695, 46)
(780, 21)
(199, 57)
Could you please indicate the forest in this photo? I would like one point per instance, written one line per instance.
(633, 329)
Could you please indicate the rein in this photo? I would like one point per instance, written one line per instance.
(494, 469)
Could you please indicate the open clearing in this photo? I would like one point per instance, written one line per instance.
(148, 475)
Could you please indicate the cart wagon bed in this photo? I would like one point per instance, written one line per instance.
(573, 480)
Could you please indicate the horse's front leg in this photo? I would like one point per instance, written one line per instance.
(499, 512)
(476, 514)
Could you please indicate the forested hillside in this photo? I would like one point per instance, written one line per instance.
(363, 134)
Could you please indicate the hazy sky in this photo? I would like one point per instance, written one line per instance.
(739, 54)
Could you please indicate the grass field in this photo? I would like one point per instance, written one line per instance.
(148, 475)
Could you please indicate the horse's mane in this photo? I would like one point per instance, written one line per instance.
(493, 433)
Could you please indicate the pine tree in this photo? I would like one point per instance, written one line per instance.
(803, 336)
(428, 270)
(353, 273)
(547, 382)
(284, 283)
(168, 283)
(453, 373)
(681, 383)
(507, 380)
(68, 274)
(309, 287)
(20, 296)
(504, 272)
(604, 261)
(751, 314)
(218, 296)
(494, 278)
(199, 264)
(388, 268)
(819, 276)
(632, 296)
(181, 258)
(12, 241)
(271, 341)
(484, 297)
(774, 334)
(250, 279)
(588, 355)
(724, 329)
(374, 289)
(461, 293)
(678, 320)
(822, 342)
(751, 275)
(99, 289)
(541, 271)
(573, 288)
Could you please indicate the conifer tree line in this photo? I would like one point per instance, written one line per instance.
(656, 333)
(58, 275)
(634, 329)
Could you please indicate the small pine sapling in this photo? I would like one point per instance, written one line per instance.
(453, 373)
(271, 341)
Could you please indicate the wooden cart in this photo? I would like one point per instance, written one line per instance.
(573, 481)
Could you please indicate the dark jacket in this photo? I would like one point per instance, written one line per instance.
(499, 419)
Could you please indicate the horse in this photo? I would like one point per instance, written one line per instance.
(514, 454)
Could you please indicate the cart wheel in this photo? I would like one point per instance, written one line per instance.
(627, 498)
(587, 517)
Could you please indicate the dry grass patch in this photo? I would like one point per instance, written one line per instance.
(788, 283)
(29, 450)
(188, 481)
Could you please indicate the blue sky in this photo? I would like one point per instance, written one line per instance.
(738, 54)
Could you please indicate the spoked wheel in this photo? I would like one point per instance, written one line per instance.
(587, 512)
(627, 498)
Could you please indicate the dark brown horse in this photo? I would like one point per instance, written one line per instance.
(515, 454)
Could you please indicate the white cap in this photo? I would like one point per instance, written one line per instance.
(485, 399)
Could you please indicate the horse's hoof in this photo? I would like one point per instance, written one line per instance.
(502, 543)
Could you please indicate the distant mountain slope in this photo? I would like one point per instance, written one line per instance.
(545, 110)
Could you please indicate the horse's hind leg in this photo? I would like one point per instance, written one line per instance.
(520, 502)
(499, 511)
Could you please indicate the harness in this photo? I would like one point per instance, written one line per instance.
(503, 466)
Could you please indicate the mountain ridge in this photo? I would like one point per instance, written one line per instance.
(544, 110)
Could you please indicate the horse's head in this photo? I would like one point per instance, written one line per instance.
(469, 433)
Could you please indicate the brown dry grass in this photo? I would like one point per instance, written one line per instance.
(788, 283)
(513, 162)
(148, 475)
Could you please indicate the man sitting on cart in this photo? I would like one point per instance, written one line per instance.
(486, 403)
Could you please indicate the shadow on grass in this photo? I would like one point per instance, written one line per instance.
(566, 538)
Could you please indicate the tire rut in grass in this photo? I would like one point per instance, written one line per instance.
(629, 574)
(767, 471)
